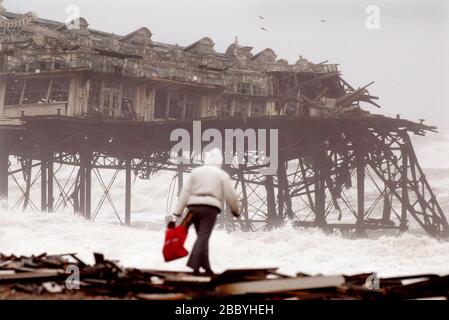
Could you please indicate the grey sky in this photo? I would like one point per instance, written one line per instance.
(408, 57)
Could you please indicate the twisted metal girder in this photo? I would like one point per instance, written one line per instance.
(321, 164)
(394, 153)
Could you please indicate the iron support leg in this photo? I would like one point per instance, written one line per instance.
(404, 186)
(320, 191)
(360, 159)
(386, 214)
(283, 193)
(50, 176)
(44, 186)
(244, 202)
(3, 176)
(128, 193)
(271, 203)
(88, 186)
(82, 191)
(320, 199)
(27, 167)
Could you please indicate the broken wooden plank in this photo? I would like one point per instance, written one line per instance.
(5, 263)
(242, 275)
(280, 285)
(162, 296)
(32, 277)
(187, 278)
(6, 272)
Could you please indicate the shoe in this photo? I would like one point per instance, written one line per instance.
(209, 273)
(196, 273)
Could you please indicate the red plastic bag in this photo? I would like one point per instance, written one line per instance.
(174, 243)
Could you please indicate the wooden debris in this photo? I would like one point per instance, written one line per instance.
(31, 277)
(163, 296)
(44, 276)
(281, 285)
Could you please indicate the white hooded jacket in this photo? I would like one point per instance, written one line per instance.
(208, 185)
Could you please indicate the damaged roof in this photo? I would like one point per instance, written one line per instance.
(30, 30)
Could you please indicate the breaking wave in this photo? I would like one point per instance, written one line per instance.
(293, 250)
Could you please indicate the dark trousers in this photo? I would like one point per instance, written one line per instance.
(203, 218)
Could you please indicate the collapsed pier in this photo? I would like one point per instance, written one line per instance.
(92, 100)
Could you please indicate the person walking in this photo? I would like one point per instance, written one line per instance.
(204, 194)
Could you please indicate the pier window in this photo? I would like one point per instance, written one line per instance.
(94, 94)
(241, 108)
(259, 91)
(258, 108)
(244, 88)
(36, 91)
(176, 105)
(160, 104)
(193, 107)
(60, 88)
(247, 88)
(112, 98)
(14, 88)
(224, 107)
(128, 98)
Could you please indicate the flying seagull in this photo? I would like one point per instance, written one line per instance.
(323, 20)
(261, 18)
(263, 29)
